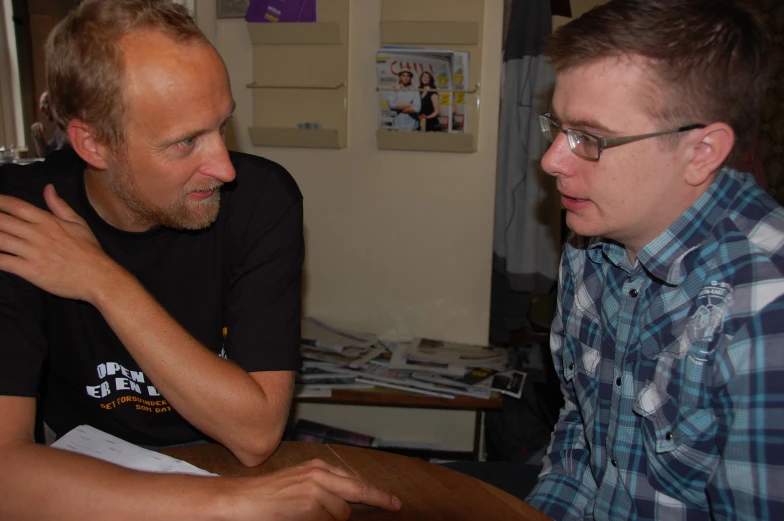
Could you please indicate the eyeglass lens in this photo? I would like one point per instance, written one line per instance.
(582, 144)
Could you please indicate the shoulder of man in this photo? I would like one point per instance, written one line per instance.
(760, 219)
(263, 173)
(27, 181)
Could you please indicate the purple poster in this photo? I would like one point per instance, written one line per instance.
(274, 11)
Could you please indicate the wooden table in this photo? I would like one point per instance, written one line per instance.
(429, 492)
(380, 411)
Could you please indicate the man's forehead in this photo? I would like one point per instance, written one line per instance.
(173, 89)
(599, 94)
(154, 61)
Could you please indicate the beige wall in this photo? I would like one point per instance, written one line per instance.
(397, 242)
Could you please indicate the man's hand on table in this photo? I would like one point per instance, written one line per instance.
(56, 251)
(311, 491)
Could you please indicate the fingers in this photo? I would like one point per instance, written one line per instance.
(21, 209)
(333, 505)
(59, 207)
(321, 464)
(12, 264)
(15, 246)
(355, 491)
(11, 227)
(339, 482)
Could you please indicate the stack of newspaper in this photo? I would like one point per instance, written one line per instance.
(340, 359)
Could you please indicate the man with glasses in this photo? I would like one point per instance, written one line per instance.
(669, 333)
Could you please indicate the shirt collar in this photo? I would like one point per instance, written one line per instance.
(663, 257)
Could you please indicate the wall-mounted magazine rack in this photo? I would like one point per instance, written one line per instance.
(473, 90)
(443, 24)
(317, 33)
(327, 87)
(430, 33)
(300, 75)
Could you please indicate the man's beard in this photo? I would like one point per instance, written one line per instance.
(179, 214)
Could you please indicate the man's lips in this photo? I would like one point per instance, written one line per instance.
(202, 194)
(574, 204)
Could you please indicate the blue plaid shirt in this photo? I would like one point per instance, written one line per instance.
(673, 369)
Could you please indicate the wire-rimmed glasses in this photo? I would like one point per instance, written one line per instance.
(589, 146)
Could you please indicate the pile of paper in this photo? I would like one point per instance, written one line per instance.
(340, 359)
(90, 441)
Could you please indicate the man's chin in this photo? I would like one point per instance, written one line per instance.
(198, 222)
(199, 216)
(582, 226)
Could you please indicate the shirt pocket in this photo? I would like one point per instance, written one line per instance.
(679, 445)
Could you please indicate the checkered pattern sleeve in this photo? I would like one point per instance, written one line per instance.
(566, 485)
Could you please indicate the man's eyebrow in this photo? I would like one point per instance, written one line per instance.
(584, 124)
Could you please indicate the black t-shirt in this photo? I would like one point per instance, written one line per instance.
(243, 273)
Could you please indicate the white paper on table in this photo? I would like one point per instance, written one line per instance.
(98, 444)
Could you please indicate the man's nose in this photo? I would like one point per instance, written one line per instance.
(217, 163)
(556, 160)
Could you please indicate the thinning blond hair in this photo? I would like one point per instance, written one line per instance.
(85, 62)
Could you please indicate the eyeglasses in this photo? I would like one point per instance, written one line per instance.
(590, 147)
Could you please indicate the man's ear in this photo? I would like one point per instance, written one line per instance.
(83, 140)
(709, 152)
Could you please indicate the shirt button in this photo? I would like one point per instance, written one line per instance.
(633, 293)
(668, 436)
(618, 381)
(614, 464)
(571, 366)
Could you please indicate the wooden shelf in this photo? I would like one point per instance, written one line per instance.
(394, 398)
(255, 85)
(425, 141)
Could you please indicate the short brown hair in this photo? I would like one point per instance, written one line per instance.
(85, 62)
(709, 57)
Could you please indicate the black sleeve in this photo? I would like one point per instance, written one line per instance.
(23, 346)
(23, 342)
(264, 300)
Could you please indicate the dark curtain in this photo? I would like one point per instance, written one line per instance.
(526, 243)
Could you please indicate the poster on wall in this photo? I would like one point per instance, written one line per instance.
(269, 10)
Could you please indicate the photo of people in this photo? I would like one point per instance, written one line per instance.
(430, 104)
(404, 101)
(415, 90)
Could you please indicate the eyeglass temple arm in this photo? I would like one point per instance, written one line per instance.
(615, 141)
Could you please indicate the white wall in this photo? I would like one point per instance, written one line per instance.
(397, 242)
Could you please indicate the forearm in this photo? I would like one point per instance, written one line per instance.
(38, 482)
(216, 396)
